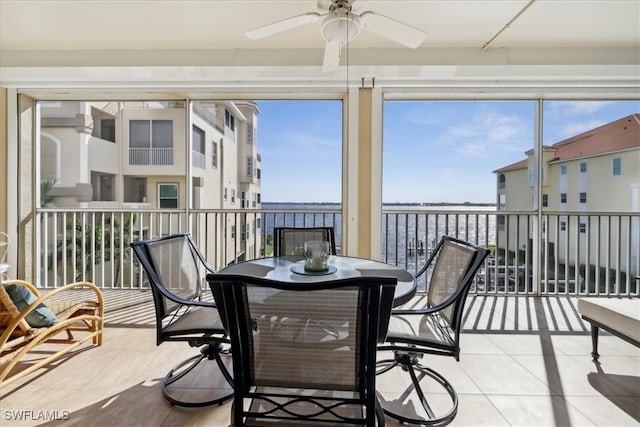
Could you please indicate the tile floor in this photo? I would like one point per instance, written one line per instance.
(524, 362)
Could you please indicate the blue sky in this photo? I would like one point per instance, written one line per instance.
(433, 151)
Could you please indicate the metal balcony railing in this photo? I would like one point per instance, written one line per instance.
(556, 253)
(151, 156)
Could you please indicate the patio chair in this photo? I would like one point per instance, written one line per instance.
(430, 323)
(65, 317)
(289, 241)
(176, 270)
(289, 375)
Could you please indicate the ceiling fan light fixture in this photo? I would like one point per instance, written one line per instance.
(342, 29)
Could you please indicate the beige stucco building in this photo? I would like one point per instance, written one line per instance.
(597, 171)
(138, 155)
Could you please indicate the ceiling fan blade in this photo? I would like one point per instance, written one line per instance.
(391, 29)
(285, 24)
(331, 56)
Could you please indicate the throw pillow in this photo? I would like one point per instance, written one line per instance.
(22, 297)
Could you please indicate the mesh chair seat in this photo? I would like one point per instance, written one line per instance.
(424, 330)
(198, 320)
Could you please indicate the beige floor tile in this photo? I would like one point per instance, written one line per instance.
(536, 411)
(472, 343)
(608, 411)
(497, 374)
(566, 377)
(516, 376)
(518, 343)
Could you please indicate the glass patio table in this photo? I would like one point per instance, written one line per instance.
(291, 269)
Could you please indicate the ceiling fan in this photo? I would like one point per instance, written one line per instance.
(341, 25)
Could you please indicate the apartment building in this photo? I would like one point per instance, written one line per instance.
(597, 171)
(145, 155)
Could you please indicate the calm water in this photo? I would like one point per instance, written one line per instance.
(408, 231)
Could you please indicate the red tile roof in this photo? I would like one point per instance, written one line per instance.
(621, 134)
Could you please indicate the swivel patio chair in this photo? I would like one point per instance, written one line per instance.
(289, 241)
(287, 375)
(429, 323)
(176, 270)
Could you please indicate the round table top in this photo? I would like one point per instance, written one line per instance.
(290, 269)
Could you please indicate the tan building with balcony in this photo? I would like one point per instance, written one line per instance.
(138, 155)
(595, 171)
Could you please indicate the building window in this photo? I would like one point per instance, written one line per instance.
(544, 226)
(563, 197)
(108, 129)
(502, 181)
(583, 197)
(583, 167)
(249, 166)
(501, 222)
(545, 200)
(233, 231)
(229, 120)
(563, 170)
(151, 142)
(563, 225)
(226, 193)
(214, 154)
(250, 134)
(168, 196)
(198, 157)
(233, 195)
(616, 166)
(582, 227)
(532, 175)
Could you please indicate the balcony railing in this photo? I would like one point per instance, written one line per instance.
(557, 253)
(151, 156)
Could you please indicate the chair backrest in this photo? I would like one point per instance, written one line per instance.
(176, 270)
(450, 270)
(293, 342)
(289, 241)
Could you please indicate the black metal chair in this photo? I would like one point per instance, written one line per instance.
(289, 241)
(176, 270)
(429, 323)
(288, 374)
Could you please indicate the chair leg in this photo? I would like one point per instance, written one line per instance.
(401, 409)
(594, 343)
(180, 372)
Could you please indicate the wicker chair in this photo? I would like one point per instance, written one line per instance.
(289, 241)
(292, 373)
(430, 324)
(18, 337)
(176, 270)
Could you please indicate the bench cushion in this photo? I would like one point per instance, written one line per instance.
(622, 315)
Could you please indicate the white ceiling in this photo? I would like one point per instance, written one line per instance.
(212, 33)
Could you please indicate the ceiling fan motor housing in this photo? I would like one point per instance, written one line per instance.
(340, 25)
